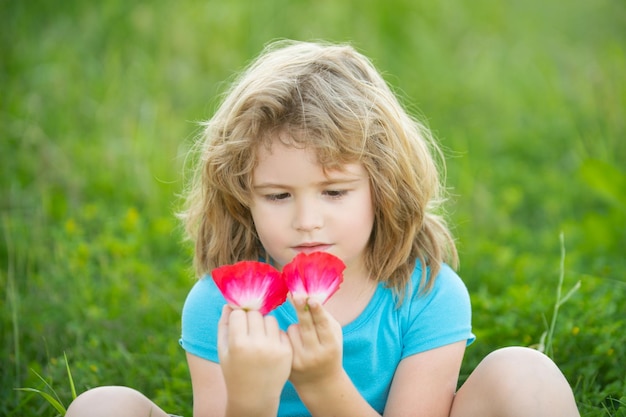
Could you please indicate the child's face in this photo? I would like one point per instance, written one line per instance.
(296, 207)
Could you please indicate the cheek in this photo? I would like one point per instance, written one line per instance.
(265, 220)
(360, 217)
(364, 223)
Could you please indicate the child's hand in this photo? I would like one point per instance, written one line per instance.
(317, 343)
(255, 357)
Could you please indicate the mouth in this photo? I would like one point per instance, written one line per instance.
(312, 247)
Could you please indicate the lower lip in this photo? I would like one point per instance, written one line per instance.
(311, 249)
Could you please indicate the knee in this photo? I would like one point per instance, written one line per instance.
(106, 401)
(518, 381)
(530, 377)
(517, 356)
(511, 366)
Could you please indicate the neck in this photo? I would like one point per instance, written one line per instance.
(353, 296)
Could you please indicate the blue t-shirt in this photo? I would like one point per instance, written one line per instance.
(374, 343)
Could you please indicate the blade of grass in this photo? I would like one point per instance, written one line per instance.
(69, 376)
(53, 401)
(12, 295)
(560, 300)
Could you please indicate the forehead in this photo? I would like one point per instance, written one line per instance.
(327, 149)
(290, 160)
(280, 150)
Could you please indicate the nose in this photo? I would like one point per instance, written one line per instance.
(307, 215)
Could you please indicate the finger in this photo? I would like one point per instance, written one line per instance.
(271, 327)
(293, 334)
(237, 325)
(226, 310)
(322, 322)
(256, 324)
(302, 311)
(306, 326)
(284, 338)
(222, 329)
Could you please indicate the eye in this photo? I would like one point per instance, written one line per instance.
(335, 193)
(277, 196)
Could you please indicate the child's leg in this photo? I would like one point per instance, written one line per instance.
(113, 401)
(515, 382)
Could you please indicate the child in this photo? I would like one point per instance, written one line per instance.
(311, 151)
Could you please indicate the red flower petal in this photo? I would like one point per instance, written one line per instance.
(316, 275)
(251, 285)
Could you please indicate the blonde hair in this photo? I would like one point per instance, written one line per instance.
(331, 99)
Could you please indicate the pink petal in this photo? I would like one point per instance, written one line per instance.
(251, 285)
(316, 275)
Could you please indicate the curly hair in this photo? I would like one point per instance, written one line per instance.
(331, 99)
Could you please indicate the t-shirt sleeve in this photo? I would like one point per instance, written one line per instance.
(201, 313)
(440, 317)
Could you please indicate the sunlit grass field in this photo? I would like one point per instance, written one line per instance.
(100, 103)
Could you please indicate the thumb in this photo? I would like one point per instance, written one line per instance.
(222, 331)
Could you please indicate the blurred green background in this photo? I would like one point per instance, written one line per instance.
(100, 103)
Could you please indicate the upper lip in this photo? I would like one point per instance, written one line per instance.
(310, 245)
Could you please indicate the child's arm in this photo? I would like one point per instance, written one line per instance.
(317, 372)
(424, 384)
(255, 361)
(209, 390)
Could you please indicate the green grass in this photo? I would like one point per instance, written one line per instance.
(98, 107)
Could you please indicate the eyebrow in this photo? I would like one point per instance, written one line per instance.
(335, 181)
